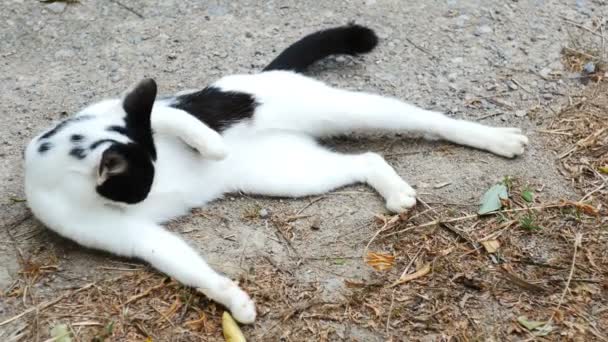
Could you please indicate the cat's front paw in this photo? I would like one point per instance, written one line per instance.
(242, 307)
(506, 141)
(403, 199)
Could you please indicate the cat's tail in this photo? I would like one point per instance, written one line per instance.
(349, 40)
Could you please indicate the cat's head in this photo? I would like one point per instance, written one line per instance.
(126, 170)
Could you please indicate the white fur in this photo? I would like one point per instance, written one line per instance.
(275, 154)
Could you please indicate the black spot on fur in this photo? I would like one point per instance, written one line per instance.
(102, 141)
(44, 147)
(78, 153)
(117, 129)
(216, 108)
(132, 185)
(138, 105)
(349, 40)
(63, 124)
(76, 137)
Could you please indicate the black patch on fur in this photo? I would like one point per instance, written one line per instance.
(216, 108)
(138, 105)
(348, 40)
(95, 144)
(76, 137)
(118, 129)
(133, 185)
(78, 153)
(63, 124)
(45, 146)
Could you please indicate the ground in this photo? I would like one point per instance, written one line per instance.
(505, 63)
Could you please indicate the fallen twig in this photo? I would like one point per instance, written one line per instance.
(577, 242)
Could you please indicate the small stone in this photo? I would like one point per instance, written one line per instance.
(452, 76)
(491, 86)
(340, 59)
(263, 213)
(544, 72)
(520, 113)
(457, 60)
(64, 53)
(482, 30)
(589, 67)
(56, 7)
(512, 85)
(316, 223)
(547, 96)
(248, 35)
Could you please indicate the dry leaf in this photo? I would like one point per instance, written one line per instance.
(586, 209)
(491, 246)
(446, 251)
(424, 270)
(232, 332)
(380, 261)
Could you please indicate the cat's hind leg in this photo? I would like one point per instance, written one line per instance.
(289, 101)
(292, 165)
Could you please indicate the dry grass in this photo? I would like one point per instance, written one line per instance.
(465, 292)
(463, 277)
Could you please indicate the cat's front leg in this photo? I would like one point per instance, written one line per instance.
(127, 236)
(194, 133)
(170, 254)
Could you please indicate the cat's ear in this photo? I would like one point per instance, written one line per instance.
(138, 104)
(112, 163)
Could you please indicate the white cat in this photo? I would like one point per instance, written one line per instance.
(109, 176)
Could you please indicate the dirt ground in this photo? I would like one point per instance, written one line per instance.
(498, 62)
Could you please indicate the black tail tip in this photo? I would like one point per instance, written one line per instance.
(361, 39)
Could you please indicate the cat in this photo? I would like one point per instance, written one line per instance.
(109, 176)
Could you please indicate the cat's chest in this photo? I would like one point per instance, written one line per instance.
(183, 180)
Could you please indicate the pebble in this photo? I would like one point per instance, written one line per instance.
(263, 213)
(520, 113)
(589, 68)
(56, 7)
(457, 60)
(482, 30)
(452, 76)
(512, 85)
(547, 96)
(64, 53)
(544, 72)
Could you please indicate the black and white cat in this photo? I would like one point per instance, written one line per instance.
(109, 176)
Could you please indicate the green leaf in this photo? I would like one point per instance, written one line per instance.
(60, 333)
(339, 261)
(527, 195)
(603, 169)
(539, 328)
(530, 325)
(491, 199)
